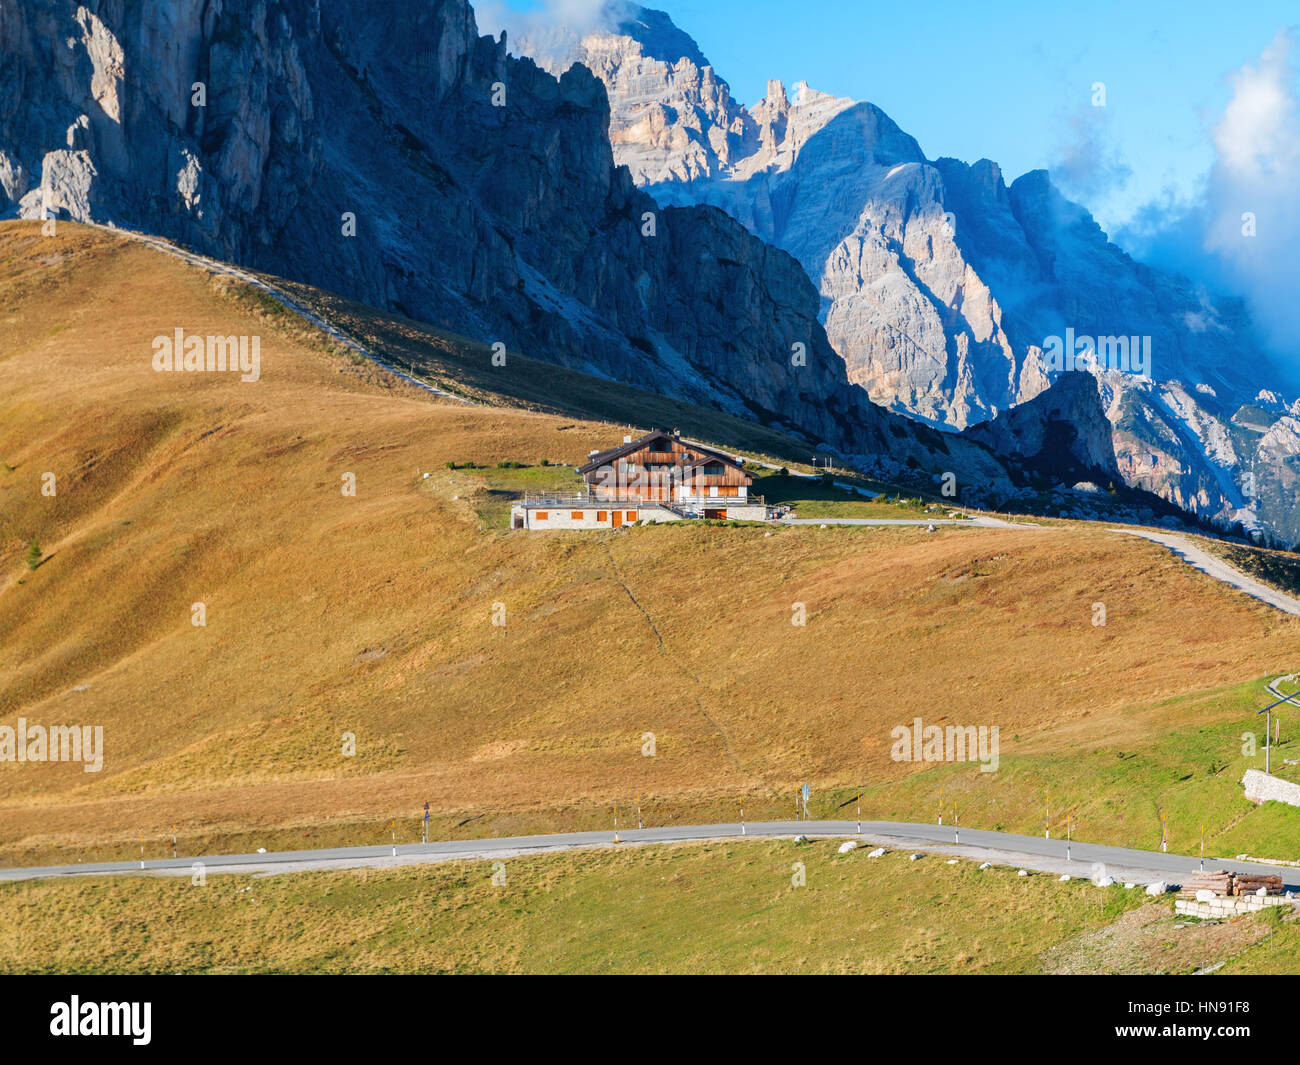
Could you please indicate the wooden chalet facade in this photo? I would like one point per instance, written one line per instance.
(657, 477)
(662, 468)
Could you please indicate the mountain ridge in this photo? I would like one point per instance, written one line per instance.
(941, 284)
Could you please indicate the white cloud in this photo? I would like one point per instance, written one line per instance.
(1257, 171)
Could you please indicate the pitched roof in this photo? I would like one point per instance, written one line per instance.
(703, 454)
(602, 458)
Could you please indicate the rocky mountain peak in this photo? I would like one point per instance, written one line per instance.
(941, 286)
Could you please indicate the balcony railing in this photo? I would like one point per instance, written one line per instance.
(591, 499)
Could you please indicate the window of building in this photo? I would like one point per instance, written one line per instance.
(541, 515)
(602, 515)
(576, 515)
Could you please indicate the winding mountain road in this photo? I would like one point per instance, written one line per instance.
(1200, 559)
(998, 848)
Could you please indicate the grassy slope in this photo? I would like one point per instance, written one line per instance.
(727, 907)
(371, 615)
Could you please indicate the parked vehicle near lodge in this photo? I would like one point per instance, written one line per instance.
(658, 477)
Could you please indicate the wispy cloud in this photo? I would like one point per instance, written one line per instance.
(1241, 230)
(553, 27)
(1086, 169)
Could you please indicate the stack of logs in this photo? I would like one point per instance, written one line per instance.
(1221, 882)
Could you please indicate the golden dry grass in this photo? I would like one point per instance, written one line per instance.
(372, 615)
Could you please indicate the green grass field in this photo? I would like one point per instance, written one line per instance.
(718, 907)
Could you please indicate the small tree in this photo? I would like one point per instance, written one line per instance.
(33, 554)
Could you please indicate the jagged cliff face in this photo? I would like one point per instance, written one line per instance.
(940, 284)
(507, 223)
(483, 190)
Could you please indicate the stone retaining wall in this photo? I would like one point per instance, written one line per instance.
(1261, 787)
(1226, 906)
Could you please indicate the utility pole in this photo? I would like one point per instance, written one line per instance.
(1268, 735)
(1268, 724)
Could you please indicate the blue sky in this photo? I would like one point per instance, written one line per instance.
(1010, 81)
(1200, 129)
(1013, 81)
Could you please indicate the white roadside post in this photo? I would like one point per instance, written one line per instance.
(1069, 820)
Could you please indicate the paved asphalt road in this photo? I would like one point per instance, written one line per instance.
(1202, 560)
(1000, 848)
(981, 521)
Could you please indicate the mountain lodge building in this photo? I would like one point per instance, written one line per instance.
(657, 477)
